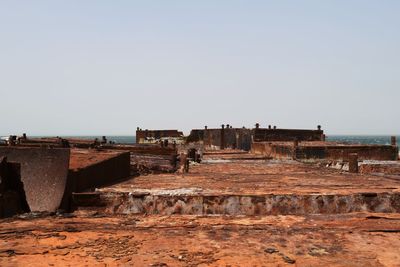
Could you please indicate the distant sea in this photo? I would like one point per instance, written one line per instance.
(358, 139)
(118, 139)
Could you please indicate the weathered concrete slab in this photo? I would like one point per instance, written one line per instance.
(324, 150)
(246, 187)
(44, 174)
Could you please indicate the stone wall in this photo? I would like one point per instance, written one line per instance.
(150, 157)
(289, 204)
(282, 150)
(265, 135)
(142, 135)
(233, 138)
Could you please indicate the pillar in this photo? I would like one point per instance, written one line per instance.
(137, 135)
(393, 141)
(295, 145)
(353, 163)
(222, 137)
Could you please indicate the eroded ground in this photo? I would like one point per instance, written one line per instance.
(91, 238)
(340, 240)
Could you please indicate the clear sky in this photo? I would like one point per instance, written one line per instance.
(106, 67)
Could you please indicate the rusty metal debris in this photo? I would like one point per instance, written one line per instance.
(44, 174)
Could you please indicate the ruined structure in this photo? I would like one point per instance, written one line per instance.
(324, 150)
(273, 134)
(91, 169)
(310, 144)
(222, 138)
(149, 158)
(155, 136)
(44, 174)
(279, 190)
(50, 176)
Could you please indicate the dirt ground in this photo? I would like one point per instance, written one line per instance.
(91, 240)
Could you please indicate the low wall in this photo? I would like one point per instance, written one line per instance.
(101, 173)
(233, 138)
(371, 152)
(386, 168)
(105, 172)
(265, 135)
(149, 157)
(284, 150)
(127, 203)
(273, 150)
(142, 135)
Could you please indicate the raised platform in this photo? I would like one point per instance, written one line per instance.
(248, 187)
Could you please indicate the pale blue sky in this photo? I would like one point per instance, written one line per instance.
(106, 67)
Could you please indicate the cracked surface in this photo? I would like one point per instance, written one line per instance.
(257, 177)
(341, 240)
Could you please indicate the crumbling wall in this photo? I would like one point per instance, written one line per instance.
(392, 168)
(271, 204)
(233, 138)
(146, 158)
(58, 142)
(367, 152)
(143, 135)
(259, 148)
(285, 150)
(265, 134)
(275, 150)
(101, 173)
(342, 152)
